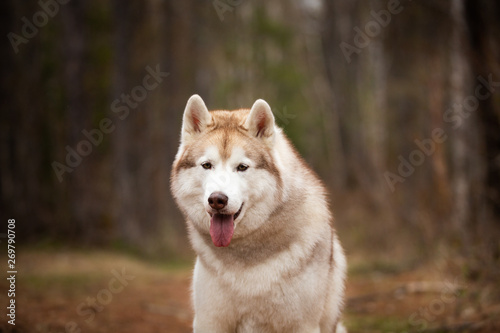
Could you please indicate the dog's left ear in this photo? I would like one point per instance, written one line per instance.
(260, 121)
(196, 118)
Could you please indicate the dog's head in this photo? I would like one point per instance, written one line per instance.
(226, 177)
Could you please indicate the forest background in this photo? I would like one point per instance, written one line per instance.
(395, 104)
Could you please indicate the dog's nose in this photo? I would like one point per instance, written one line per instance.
(217, 200)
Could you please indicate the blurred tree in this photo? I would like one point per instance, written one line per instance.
(122, 139)
(483, 28)
(354, 113)
(75, 49)
(461, 141)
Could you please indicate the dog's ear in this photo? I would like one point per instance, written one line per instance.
(196, 118)
(260, 121)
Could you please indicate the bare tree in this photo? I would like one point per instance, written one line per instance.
(74, 51)
(462, 134)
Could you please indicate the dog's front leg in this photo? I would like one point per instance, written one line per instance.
(213, 311)
(208, 325)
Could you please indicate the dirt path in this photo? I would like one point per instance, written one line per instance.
(106, 292)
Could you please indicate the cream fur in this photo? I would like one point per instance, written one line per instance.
(254, 285)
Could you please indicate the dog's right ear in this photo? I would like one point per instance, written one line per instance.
(260, 121)
(196, 118)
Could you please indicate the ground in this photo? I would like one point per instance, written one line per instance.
(101, 291)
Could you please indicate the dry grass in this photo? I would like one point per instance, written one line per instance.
(381, 298)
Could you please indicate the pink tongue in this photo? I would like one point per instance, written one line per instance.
(221, 229)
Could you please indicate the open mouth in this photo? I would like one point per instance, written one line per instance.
(238, 212)
(222, 228)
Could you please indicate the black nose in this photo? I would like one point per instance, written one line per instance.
(217, 200)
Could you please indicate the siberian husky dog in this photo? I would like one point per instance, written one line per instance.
(268, 258)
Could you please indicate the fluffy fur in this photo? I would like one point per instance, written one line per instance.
(284, 268)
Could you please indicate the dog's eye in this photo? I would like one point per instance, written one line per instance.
(207, 165)
(242, 167)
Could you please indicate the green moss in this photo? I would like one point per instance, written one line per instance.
(371, 323)
(378, 267)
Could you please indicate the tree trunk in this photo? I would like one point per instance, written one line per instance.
(461, 214)
(483, 25)
(124, 207)
(79, 181)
